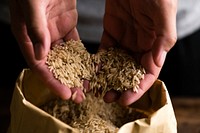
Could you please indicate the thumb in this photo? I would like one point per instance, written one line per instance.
(160, 51)
(166, 37)
(37, 27)
(165, 30)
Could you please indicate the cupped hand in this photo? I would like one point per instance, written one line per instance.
(147, 28)
(37, 26)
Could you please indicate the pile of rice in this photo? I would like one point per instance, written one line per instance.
(93, 115)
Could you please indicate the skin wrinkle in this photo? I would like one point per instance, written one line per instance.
(120, 13)
(54, 24)
(53, 15)
(52, 11)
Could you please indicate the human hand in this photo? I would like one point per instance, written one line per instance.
(37, 26)
(145, 27)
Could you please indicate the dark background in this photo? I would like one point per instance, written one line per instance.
(12, 63)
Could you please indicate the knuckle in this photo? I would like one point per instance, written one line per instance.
(169, 41)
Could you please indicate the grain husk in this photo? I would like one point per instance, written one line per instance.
(114, 68)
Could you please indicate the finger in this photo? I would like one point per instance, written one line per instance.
(152, 71)
(111, 96)
(128, 97)
(60, 41)
(165, 30)
(151, 75)
(161, 47)
(86, 85)
(52, 83)
(34, 13)
(77, 95)
(73, 34)
(59, 89)
(148, 63)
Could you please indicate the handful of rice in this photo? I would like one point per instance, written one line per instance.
(71, 64)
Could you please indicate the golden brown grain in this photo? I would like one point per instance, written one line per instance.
(93, 115)
(109, 69)
(71, 64)
(119, 71)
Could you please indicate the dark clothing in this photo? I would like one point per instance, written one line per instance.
(181, 70)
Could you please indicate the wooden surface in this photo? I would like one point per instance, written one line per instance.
(187, 111)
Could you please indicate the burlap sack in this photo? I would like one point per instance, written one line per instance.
(30, 93)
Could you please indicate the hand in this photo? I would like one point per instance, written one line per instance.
(148, 29)
(38, 25)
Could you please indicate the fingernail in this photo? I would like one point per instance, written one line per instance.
(38, 51)
(162, 58)
(74, 95)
